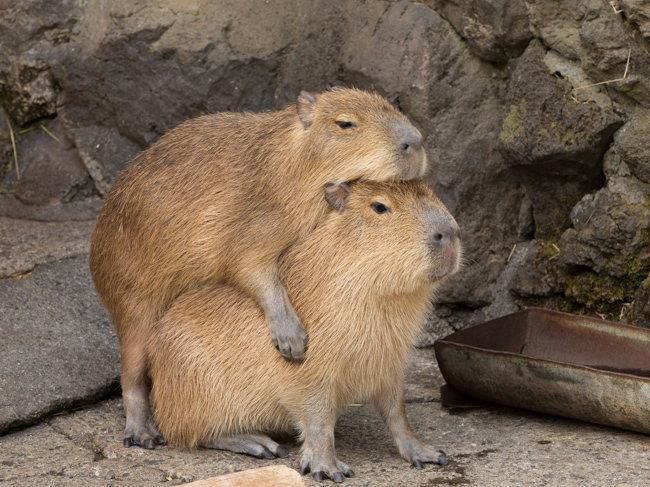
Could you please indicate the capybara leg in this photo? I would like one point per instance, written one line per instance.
(287, 332)
(390, 404)
(259, 446)
(140, 429)
(318, 452)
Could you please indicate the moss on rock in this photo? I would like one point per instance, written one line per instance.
(513, 123)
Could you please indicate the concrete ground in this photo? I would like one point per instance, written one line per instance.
(61, 421)
(488, 447)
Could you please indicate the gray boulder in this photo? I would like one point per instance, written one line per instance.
(58, 348)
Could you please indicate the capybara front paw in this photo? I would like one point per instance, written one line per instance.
(290, 339)
(145, 436)
(418, 454)
(324, 468)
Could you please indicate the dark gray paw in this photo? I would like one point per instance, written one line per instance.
(146, 437)
(319, 472)
(291, 341)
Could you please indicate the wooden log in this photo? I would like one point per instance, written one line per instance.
(273, 476)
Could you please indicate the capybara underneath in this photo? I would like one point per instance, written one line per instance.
(362, 284)
(218, 199)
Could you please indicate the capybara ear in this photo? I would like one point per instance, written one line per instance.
(337, 195)
(306, 106)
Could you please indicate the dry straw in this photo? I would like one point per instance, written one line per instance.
(13, 144)
(49, 132)
(624, 77)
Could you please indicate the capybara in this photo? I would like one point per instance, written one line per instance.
(362, 283)
(218, 199)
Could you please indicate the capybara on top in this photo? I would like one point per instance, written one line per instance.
(361, 283)
(218, 199)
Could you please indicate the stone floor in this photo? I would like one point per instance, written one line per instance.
(61, 421)
(487, 447)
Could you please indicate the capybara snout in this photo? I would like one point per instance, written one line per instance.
(444, 242)
(412, 159)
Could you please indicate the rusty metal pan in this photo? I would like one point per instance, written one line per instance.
(556, 363)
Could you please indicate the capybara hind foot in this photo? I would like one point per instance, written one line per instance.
(419, 453)
(324, 467)
(258, 446)
(143, 434)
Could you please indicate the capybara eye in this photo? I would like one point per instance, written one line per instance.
(379, 207)
(344, 124)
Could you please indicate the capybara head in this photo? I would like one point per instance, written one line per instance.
(398, 235)
(365, 130)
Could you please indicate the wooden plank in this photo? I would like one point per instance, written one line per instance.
(273, 476)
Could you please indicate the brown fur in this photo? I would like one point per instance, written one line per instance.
(362, 284)
(218, 199)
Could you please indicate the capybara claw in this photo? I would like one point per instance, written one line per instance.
(281, 452)
(419, 453)
(149, 444)
(322, 468)
(338, 477)
(442, 458)
(267, 455)
(294, 353)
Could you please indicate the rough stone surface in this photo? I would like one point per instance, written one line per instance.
(535, 276)
(97, 143)
(634, 147)
(488, 447)
(606, 253)
(6, 150)
(26, 243)
(435, 328)
(607, 38)
(495, 30)
(30, 89)
(27, 87)
(557, 23)
(554, 144)
(641, 305)
(58, 347)
(599, 36)
(78, 210)
(638, 11)
(49, 167)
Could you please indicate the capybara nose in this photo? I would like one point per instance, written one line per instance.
(445, 232)
(413, 143)
(410, 138)
(444, 243)
(412, 160)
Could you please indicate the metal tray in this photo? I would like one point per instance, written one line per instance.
(556, 363)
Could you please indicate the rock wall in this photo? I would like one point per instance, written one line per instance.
(537, 117)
